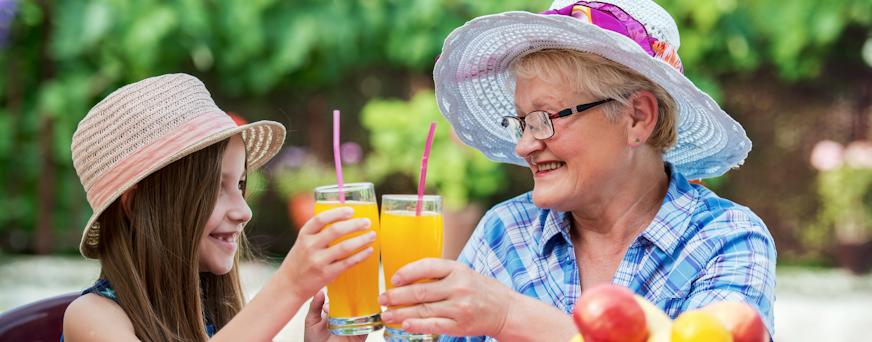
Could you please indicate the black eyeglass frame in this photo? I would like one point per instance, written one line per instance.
(563, 113)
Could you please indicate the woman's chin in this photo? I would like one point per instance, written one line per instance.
(543, 199)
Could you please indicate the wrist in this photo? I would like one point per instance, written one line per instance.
(529, 319)
(284, 283)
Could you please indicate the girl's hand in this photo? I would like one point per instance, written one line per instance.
(311, 264)
(316, 323)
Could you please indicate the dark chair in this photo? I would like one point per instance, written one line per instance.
(42, 321)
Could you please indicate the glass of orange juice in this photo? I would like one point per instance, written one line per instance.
(354, 308)
(408, 237)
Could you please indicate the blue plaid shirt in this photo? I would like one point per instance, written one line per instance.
(699, 249)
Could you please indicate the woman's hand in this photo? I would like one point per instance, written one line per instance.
(460, 302)
(316, 323)
(311, 264)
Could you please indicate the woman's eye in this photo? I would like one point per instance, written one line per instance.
(241, 185)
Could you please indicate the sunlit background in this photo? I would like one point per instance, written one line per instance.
(796, 74)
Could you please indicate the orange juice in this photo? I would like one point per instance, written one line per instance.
(355, 291)
(407, 238)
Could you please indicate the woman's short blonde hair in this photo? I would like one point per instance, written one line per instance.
(601, 78)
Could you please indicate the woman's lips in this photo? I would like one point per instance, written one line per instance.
(548, 167)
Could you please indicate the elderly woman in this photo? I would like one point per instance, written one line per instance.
(598, 108)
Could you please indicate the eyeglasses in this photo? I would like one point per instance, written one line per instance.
(540, 121)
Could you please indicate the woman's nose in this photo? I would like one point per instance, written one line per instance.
(528, 144)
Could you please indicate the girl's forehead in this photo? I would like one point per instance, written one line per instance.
(234, 158)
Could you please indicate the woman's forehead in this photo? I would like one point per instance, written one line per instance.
(536, 94)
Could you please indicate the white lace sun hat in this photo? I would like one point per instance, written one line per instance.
(147, 125)
(471, 76)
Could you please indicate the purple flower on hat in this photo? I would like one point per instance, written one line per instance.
(351, 153)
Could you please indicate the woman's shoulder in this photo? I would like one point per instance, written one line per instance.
(714, 211)
(693, 215)
(704, 208)
(93, 317)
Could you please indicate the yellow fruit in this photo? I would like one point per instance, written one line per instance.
(656, 319)
(577, 338)
(698, 326)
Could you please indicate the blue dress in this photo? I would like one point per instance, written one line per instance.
(102, 288)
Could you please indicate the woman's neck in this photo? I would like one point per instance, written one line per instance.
(622, 215)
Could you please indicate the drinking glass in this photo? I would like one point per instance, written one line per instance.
(407, 237)
(354, 308)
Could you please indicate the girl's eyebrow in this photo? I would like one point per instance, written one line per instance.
(228, 175)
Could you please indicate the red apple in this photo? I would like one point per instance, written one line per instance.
(609, 313)
(742, 320)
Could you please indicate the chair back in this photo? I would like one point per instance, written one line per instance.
(41, 321)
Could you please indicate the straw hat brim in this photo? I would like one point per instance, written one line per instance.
(473, 89)
(263, 140)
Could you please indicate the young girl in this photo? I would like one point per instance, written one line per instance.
(165, 172)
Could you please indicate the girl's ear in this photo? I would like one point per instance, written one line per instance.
(127, 200)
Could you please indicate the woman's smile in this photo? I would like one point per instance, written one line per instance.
(548, 167)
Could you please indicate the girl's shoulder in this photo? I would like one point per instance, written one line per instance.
(93, 317)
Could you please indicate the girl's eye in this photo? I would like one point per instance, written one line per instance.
(241, 185)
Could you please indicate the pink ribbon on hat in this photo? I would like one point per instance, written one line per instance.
(140, 162)
(613, 18)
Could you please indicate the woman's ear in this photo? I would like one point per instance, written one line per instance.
(643, 117)
(127, 200)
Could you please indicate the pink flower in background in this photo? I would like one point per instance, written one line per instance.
(351, 153)
(827, 155)
(858, 154)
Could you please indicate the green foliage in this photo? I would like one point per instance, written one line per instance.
(66, 55)
(846, 206)
(794, 37)
(398, 133)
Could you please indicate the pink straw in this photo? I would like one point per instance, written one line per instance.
(336, 157)
(424, 159)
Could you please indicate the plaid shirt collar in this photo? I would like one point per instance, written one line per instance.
(665, 231)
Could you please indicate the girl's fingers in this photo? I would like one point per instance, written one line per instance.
(317, 223)
(341, 265)
(343, 228)
(314, 315)
(345, 248)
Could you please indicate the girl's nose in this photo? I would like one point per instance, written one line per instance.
(239, 210)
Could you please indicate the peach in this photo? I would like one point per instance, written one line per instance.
(742, 320)
(610, 313)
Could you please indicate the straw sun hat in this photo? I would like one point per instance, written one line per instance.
(471, 76)
(147, 125)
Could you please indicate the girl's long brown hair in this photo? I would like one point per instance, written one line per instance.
(151, 259)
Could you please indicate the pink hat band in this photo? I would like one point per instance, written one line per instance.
(137, 164)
